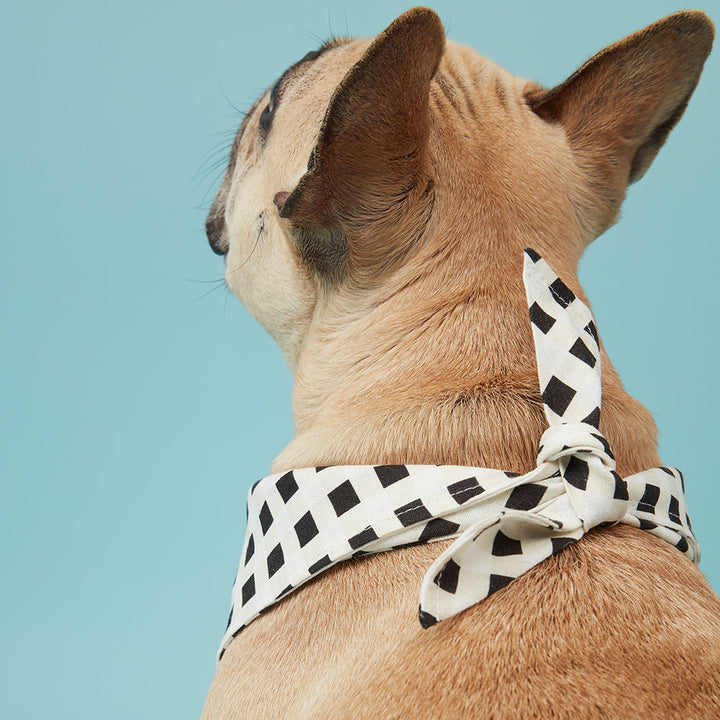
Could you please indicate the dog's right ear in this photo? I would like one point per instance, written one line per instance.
(368, 191)
(619, 107)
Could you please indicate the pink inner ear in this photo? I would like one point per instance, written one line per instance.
(279, 199)
(372, 141)
(621, 105)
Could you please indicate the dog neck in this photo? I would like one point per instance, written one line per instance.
(435, 363)
(304, 521)
(440, 382)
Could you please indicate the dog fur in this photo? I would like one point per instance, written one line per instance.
(372, 217)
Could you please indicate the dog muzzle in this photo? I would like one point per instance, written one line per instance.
(304, 521)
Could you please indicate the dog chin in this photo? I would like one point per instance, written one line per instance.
(266, 276)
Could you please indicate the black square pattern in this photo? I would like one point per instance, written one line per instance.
(275, 560)
(592, 330)
(362, 538)
(504, 545)
(593, 418)
(438, 527)
(248, 589)
(287, 486)
(581, 352)
(541, 319)
(649, 499)
(525, 497)
(323, 562)
(389, 474)
(497, 582)
(557, 395)
(621, 488)
(606, 445)
(266, 518)
(343, 498)
(464, 490)
(447, 578)
(412, 513)
(577, 472)
(560, 542)
(305, 529)
(250, 551)
(561, 292)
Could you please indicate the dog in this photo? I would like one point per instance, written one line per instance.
(373, 217)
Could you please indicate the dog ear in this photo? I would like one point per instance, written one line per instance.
(620, 106)
(367, 181)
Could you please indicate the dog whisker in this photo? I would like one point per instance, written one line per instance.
(220, 284)
(260, 232)
(216, 157)
(193, 280)
(230, 102)
(314, 36)
(219, 172)
(228, 294)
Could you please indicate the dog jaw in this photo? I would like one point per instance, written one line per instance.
(263, 268)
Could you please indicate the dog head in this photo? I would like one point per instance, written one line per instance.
(378, 197)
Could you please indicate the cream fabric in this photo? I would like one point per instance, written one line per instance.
(304, 521)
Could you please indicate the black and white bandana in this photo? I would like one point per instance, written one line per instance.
(304, 521)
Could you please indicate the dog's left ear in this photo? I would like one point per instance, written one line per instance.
(367, 186)
(620, 106)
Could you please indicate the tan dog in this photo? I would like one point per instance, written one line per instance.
(388, 268)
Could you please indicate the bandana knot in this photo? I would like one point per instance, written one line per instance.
(581, 456)
(578, 440)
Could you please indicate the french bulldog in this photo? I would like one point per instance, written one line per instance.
(372, 218)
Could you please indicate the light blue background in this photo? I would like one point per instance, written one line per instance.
(139, 400)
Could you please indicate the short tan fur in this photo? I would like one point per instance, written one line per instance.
(373, 216)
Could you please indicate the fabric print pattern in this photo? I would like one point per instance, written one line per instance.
(304, 521)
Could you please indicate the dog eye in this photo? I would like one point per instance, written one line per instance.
(267, 114)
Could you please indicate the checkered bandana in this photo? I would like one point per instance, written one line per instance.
(304, 521)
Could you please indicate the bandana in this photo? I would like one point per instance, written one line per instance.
(304, 521)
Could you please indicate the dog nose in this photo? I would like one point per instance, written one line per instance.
(215, 231)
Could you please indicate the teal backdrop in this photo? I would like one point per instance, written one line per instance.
(139, 400)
